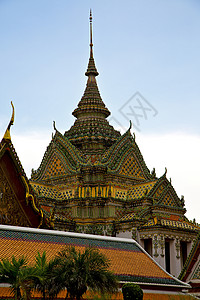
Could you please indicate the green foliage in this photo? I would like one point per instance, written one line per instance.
(101, 297)
(46, 282)
(132, 291)
(18, 275)
(82, 270)
(72, 270)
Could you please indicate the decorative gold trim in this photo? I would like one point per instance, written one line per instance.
(7, 133)
(30, 196)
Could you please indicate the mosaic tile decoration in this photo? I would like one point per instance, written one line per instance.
(196, 272)
(129, 217)
(140, 190)
(178, 224)
(51, 192)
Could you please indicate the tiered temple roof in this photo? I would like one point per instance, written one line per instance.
(91, 131)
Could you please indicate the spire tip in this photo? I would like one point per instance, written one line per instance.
(91, 44)
(91, 66)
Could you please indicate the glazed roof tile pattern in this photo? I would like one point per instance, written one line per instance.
(171, 223)
(169, 198)
(129, 217)
(140, 190)
(52, 192)
(180, 224)
(140, 212)
(127, 259)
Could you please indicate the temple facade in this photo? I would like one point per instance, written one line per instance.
(94, 180)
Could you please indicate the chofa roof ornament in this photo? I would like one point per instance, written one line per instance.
(7, 133)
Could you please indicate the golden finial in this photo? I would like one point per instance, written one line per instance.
(7, 133)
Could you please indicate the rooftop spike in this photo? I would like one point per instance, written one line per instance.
(7, 133)
(91, 44)
(91, 70)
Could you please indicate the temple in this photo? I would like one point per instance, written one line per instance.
(94, 180)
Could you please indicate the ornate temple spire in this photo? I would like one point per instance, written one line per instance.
(91, 101)
(91, 125)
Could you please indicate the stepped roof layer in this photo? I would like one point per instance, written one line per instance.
(127, 259)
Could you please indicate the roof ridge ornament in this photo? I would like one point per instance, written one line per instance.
(7, 133)
(130, 125)
(54, 126)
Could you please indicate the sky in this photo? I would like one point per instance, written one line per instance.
(147, 55)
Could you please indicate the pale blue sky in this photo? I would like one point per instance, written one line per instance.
(146, 46)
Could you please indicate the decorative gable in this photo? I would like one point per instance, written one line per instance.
(168, 200)
(55, 167)
(159, 190)
(10, 210)
(60, 159)
(124, 158)
(131, 167)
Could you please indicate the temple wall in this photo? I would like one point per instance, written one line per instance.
(125, 234)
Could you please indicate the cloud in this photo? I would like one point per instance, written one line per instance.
(178, 152)
(30, 148)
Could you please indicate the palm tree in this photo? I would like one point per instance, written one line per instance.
(48, 282)
(18, 275)
(41, 266)
(26, 278)
(79, 271)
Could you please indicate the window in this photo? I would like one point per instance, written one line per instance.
(148, 246)
(183, 252)
(167, 255)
